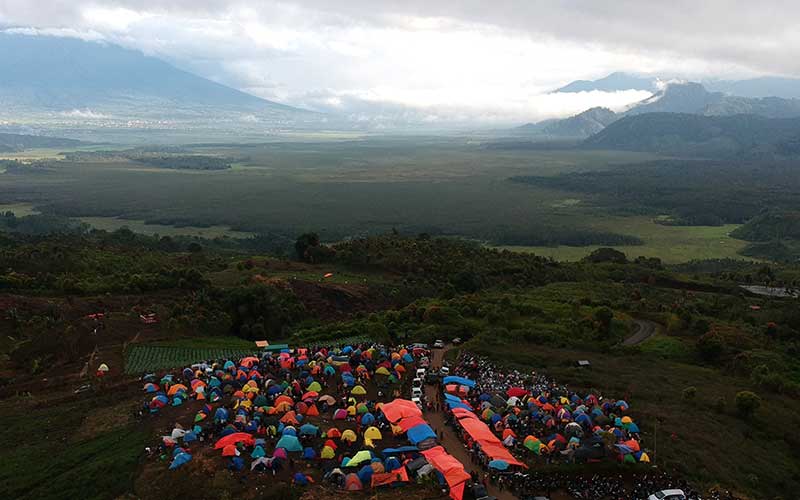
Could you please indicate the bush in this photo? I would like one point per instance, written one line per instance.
(710, 346)
(747, 403)
(689, 393)
(719, 405)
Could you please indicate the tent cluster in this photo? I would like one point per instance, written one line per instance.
(496, 411)
(320, 406)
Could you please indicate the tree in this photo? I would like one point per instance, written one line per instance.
(710, 346)
(606, 255)
(603, 316)
(747, 403)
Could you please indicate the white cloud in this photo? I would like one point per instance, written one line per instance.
(85, 114)
(445, 60)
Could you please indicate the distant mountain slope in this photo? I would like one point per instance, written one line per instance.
(693, 134)
(18, 142)
(767, 86)
(693, 98)
(50, 73)
(611, 83)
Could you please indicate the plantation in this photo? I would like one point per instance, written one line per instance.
(147, 358)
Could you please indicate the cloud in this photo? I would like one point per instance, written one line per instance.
(445, 60)
(85, 114)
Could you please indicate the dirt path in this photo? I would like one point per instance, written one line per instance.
(450, 440)
(644, 330)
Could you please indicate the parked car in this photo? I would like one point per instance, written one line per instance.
(421, 372)
(417, 382)
(668, 495)
(417, 402)
(479, 492)
(416, 392)
(456, 340)
(444, 371)
(439, 344)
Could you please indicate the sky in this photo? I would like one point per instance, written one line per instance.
(435, 60)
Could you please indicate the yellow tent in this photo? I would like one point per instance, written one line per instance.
(358, 391)
(351, 410)
(644, 458)
(359, 458)
(327, 452)
(627, 420)
(372, 433)
(382, 371)
(349, 436)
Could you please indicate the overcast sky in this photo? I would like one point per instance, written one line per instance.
(436, 59)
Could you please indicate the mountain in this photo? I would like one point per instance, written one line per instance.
(691, 97)
(10, 143)
(54, 74)
(767, 86)
(581, 125)
(698, 135)
(611, 83)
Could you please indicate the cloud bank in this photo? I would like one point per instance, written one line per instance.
(440, 61)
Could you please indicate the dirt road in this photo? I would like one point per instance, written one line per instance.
(450, 440)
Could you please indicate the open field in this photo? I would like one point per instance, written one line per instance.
(672, 244)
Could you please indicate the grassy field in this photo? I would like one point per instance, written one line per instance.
(673, 244)
(140, 358)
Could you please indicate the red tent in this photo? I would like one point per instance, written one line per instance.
(400, 408)
(452, 470)
(236, 437)
(516, 392)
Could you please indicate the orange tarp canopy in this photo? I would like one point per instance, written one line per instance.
(496, 451)
(410, 422)
(478, 430)
(463, 413)
(452, 470)
(400, 408)
(390, 477)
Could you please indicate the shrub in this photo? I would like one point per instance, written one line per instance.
(747, 403)
(710, 346)
(689, 393)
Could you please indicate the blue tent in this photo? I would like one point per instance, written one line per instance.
(407, 358)
(236, 463)
(309, 454)
(258, 452)
(454, 379)
(289, 431)
(275, 389)
(632, 427)
(189, 437)
(221, 415)
(289, 443)
(392, 463)
(179, 460)
(365, 474)
(420, 432)
(450, 397)
(309, 430)
(300, 479)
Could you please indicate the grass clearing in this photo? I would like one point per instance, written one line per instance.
(672, 244)
(140, 358)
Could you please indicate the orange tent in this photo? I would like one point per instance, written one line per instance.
(290, 418)
(333, 432)
(175, 388)
(284, 399)
(400, 408)
(312, 411)
(397, 475)
(237, 437)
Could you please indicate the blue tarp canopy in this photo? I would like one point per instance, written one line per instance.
(401, 449)
(457, 404)
(454, 379)
(420, 432)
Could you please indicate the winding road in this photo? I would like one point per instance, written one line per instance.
(644, 330)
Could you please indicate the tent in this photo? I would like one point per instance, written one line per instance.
(359, 458)
(182, 458)
(231, 439)
(400, 408)
(349, 436)
(327, 452)
(309, 430)
(289, 443)
(451, 469)
(388, 478)
(358, 391)
(353, 483)
(372, 433)
(453, 379)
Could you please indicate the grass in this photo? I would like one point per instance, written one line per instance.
(708, 446)
(141, 358)
(672, 244)
(42, 458)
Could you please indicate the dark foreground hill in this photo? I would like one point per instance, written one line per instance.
(697, 135)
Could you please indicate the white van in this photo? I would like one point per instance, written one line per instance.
(420, 372)
(668, 495)
(416, 392)
(416, 383)
(444, 371)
